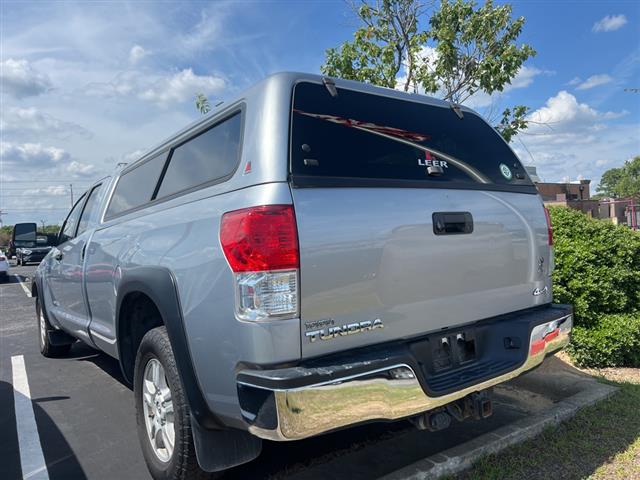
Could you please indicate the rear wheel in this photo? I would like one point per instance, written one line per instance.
(44, 328)
(163, 417)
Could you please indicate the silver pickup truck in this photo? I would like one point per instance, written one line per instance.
(313, 255)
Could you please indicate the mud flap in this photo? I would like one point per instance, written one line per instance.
(218, 450)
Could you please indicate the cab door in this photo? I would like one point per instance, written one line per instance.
(55, 269)
(72, 310)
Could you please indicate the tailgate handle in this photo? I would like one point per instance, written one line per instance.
(452, 223)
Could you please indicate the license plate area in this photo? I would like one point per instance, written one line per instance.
(452, 350)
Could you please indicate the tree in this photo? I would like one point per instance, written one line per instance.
(202, 103)
(622, 181)
(609, 181)
(466, 50)
(388, 39)
(475, 48)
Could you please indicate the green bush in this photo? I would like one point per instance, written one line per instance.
(612, 342)
(598, 272)
(597, 266)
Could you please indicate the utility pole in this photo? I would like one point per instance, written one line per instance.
(71, 189)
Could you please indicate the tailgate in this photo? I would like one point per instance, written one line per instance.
(372, 254)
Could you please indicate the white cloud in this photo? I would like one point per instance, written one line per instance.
(54, 190)
(610, 23)
(159, 89)
(31, 154)
(564, 116)
(136, 54)
(20, 79)
(80, 169)
(523, 79)
(30, 121)
(181, 86)
(574, 81)
(567, 138)
(594, 81)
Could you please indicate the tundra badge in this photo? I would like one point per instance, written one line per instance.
(342, 330)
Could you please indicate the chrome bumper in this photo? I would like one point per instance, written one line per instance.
(390, 393)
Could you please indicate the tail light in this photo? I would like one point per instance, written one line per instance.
(552, 258)
(2, 258)
(549, 226)
(261, 247)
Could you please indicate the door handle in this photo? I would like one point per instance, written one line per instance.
(452, 223)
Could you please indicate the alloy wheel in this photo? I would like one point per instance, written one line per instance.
(158, 410)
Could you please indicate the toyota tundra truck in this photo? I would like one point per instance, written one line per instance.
(313, 255)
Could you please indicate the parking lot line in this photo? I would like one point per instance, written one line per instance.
(24, 287)
(31, 456)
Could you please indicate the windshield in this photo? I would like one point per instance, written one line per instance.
(360, 135)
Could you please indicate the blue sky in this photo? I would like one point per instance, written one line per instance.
(88, 85)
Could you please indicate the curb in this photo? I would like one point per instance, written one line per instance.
(463, 456)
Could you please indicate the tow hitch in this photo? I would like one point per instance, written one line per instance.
(476, 405)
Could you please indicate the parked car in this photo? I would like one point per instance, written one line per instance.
(27, 245)
(33, 251)
(4, 265)
(314, 255)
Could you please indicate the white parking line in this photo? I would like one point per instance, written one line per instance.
(24, 287)
(31, 457)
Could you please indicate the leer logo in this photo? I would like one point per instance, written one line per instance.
(431, 161)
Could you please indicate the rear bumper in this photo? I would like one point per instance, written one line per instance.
(392, 382)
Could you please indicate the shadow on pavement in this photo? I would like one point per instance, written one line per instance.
(84, 353)
(59, 457)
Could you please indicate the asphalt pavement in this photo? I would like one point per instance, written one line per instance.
(85, 420)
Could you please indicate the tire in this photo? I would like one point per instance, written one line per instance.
(46, 349)
(175, 463)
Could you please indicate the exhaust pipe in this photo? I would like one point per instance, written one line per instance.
(433, 421)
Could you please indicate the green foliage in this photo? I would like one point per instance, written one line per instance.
(389, 36)
(623, 181)
(597, 266)
(474, 49)
(513, 121)
(614, 341)
(598, 272)
(202, 103)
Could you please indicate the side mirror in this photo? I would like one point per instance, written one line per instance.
(24, 232)
(52, 239)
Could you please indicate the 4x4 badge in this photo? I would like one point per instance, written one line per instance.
(537, 292)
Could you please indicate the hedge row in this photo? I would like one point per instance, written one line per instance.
(598, 272)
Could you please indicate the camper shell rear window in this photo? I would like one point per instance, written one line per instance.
(363, 139)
